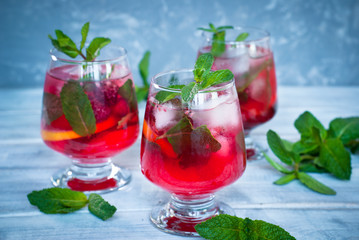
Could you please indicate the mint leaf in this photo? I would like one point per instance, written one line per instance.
(285, 179)
(52, 108)
(276, 165)
(224, 28)
(141, 93)
(163, 96)
(241, 37)
(276, 145)
(218, 43)
(84, 32)
(64, 44)
(203, 65)
(144, 67)
(100, 208)
(230, 227)
(305, 123)
(188, 92)
(77, 109)
(185, 139)
(127, 92)
(335, 158)
(95, 46)
(314, 184)
(346, 129)
(57, 200)
(217, 77)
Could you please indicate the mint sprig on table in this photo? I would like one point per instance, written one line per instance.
(203, 79)
(219, 38)
(230, 227)
(63, 200)
(143, 66)
(65, 44)
(318, 150)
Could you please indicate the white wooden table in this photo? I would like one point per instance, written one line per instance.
(26, 164)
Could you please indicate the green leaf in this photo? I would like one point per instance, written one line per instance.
(144, 67)
(206, 29)
(188, 92)
(84, 31)
(346, 129)
(52, 108)
(276, 165)
(226, 227)
(77, 109)
(217, 77)
(57, 200)
(314, 184)
(276, 145)
(218, 43)
(311, 167)
(127, 92)
(212, 27)
(285, 179)
(305, 123)
(241, 37)
(164, 96)
(64, 44)
(184, 138)
(141, 93)
(95, 46)
(335, 158)
(203, 64)
(224, 28)
(100, 208)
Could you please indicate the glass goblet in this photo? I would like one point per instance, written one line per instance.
(89, 114)
(252, 64)
(191, 149)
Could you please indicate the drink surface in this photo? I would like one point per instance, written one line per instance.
(255, 81)
(116, 117)
(189, 167)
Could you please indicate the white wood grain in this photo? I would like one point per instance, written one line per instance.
(26, 164)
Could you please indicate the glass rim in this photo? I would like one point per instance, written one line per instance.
(54, 52)
(265, 35)
(215, 88)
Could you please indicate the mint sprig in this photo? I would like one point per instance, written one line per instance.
(63, 200)
(226, 226)
(143, 66)
(219, 38)
(65, 44)
(203, 79)
(318, 150)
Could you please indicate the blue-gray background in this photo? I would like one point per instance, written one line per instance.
(315, 42)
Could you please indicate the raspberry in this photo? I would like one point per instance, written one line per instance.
(101, 111)
(121, 108)
(110, 92)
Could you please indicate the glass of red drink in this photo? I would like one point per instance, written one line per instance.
(90, 114)
(252, 64)
(191, 149)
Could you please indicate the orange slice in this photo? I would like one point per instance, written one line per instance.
(48, 135)
(163, 143)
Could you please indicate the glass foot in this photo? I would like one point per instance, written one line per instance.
(253, 150)
(180, 215)
(92, 178)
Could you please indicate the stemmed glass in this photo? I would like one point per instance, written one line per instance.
(252, 64)
(89, 114)
(191, 149)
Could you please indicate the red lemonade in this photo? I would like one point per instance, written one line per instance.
(255, 81)
(190, 167)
